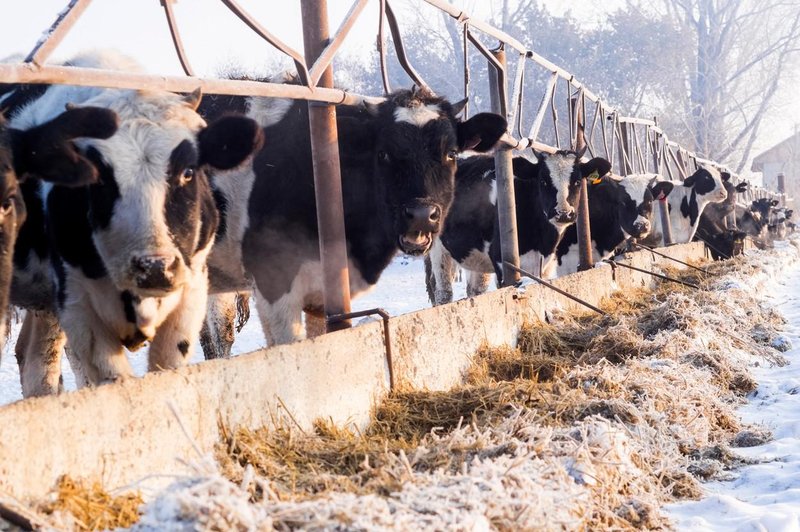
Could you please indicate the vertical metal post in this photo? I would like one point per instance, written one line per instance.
(327, 173)
(624, 149)
(583, 226)
(666, 224)
(504, 174)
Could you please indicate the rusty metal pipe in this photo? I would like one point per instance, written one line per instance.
(666, 224)
(504, 175)
(327, 173)
(60, 28)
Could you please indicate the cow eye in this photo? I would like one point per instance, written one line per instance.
(451, 156)
(7, 205)
(187, 176)
(383, 156)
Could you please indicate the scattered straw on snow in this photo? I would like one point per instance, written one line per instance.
(592, 422)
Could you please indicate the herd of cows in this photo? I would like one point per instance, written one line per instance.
(132, 217)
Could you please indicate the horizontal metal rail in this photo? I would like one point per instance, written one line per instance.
(556, 289)
(664, 255)
(648, 272)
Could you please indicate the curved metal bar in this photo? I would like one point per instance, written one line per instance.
(57, 31)
(299, 61)
(176, 37)
(402, 58)
(387, 88)
(336, 42)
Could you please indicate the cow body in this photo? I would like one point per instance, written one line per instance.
(123, 259)
(545, 194)
(688, 200)
(398, 161)
(618, 210)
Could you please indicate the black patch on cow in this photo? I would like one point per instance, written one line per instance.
(22, 95)
(69, 230)
(32, 237)
(701, 181)
(127, 306)
(104, 194)
(183, 347)
(221, 203)
(228, 141)
(182, 206)
(135, 341)
(689, 207)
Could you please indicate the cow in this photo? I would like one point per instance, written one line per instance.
(754, 220)
(688, 200)
(45, 152)
(398, 162)
(546, 193)
(618, 210)
(714, 216)
(123, 259)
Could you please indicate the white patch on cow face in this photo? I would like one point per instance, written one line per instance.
(561, 167)
(268, 111)
(636, 186)
(151, 126)
(418, 115)
(719, 194)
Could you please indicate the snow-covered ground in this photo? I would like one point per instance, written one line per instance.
(400, 290)
(765, 496)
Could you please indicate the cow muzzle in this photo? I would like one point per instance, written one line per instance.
(641, 228)
(565, 216)
(155, 274)
(423, 221)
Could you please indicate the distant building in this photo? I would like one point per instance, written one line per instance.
(780, 167)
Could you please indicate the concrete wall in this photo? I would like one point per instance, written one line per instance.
(126, 432)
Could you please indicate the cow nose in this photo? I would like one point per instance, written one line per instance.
(154, 272)
(565, 216)
(424, 213)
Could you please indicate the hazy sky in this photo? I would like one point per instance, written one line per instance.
(214, 37)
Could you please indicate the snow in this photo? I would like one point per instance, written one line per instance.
(764, 496)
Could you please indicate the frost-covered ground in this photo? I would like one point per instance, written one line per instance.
(765, 496)
(401, 290)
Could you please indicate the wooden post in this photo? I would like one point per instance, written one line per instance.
(583, 226)
(327, 173)
(504, 175)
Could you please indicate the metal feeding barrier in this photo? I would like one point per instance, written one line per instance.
(632, 145)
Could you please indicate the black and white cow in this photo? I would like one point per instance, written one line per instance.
(398, 164)
(618, 210)
(128, 252)
(688, 200)
(545, 192)
(754, 219)
(44, 152)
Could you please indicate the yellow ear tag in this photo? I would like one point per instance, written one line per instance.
(595, 178)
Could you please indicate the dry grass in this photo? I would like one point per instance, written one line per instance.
(593, 394)
(87, 507)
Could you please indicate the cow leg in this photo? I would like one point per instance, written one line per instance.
(176, 337)
(443, 270)
(315, 323)
(282, 321)
(38, 351)
(477, 283)
(99, 353)
(217, 334)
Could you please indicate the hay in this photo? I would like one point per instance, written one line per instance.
(78, 505)
(590, 422)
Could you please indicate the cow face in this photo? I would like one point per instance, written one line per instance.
(706, 183)
(416, 139)
(761, 209)
(559, 175)
(636, 199)
(151, 211)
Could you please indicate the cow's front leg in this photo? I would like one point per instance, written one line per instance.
(217, 333)
(477, 283)
(96, 347)
(439, 279)
(176, 337)
(282, 320)
(38, 351)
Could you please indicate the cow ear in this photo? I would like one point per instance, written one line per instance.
(459, 106)
(481, 132)
(689, 181)
(789, 213)
(725, 176)
(742, 187)
(524, 169)
(598, 164)
(193, 99)
(662, 189)
(47, 151)
(228, 141)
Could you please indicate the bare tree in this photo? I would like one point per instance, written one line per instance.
(742, 51)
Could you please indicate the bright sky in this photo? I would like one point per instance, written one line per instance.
(214, 37)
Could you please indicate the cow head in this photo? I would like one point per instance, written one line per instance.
(559, 176)
(706, 183)
(761, 209)
(415, 140)
(151, 210)
(635, 200)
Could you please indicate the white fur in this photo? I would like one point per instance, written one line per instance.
(561, 167)
(418, 115)
(268, 111)
(493, 192)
